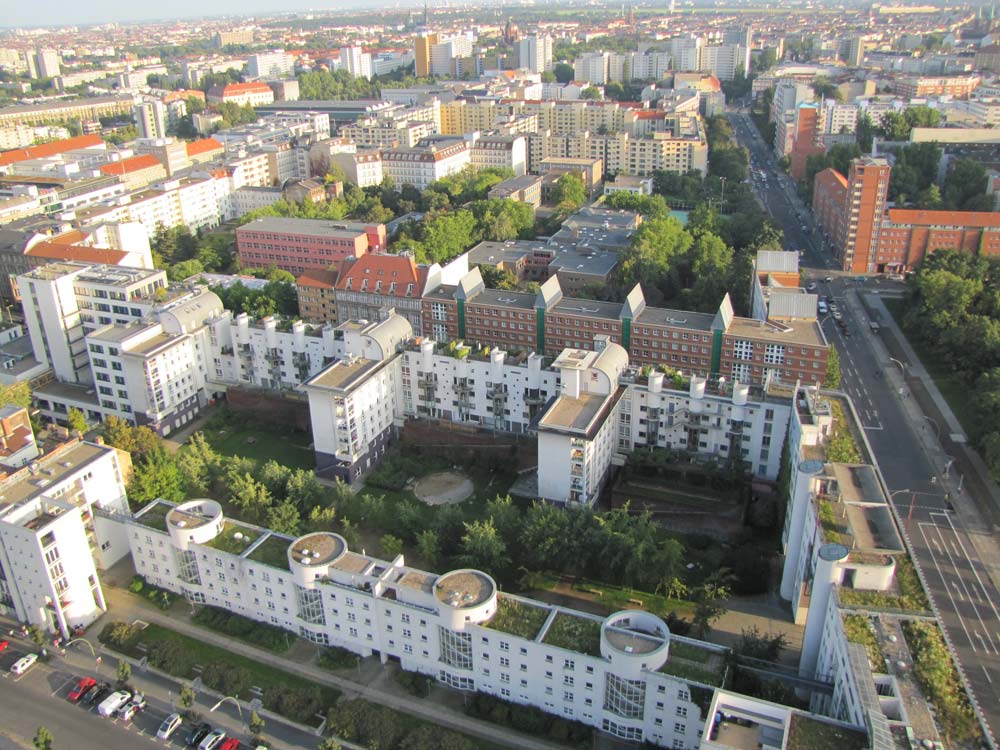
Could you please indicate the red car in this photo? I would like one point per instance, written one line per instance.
(4, 645)
(84, 686)
(231, 744)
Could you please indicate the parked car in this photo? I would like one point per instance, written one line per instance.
(84, 686)
(23, 664)
(811, 287)
(110, 705)
(99, 693)
(197, 734)
(4, 645)
(231, 744)
(129, 710)
(212, 740)
(168, 727)
(828, 280)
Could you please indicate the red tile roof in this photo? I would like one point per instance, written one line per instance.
(319, 279)
(49, 149)
(133, 164)
(398, 269)
(986, 219)
(203, 146)
(233, 89)
(81, 253)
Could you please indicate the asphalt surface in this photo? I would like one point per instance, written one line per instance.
(39, 698)
(965, 596)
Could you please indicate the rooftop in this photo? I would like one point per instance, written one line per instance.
(310, 227)
(344, 374)
(235, 538)
(573, 414)
(32, 480)
(321, 548)
(417, 580)
(273, 551)
(802, 332)
(464, 588)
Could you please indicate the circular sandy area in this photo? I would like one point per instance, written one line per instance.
(443, 488)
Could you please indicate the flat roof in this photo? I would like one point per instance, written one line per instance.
(587, 261)
(464, 588)
(802, 332)
(52, 468)
(311, 227)
(632, 642)
(189, 518)
(352, 562)
(417, 580)
(344, 373)
(573, 414)
(664, 316)
(504, 298)
(321, 548)
(589, 307)
(153, 344)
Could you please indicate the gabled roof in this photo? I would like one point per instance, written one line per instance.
(400, 270)
(203, 146)
(49, 149)
(81, 253)
(132, 164)
(318, 278)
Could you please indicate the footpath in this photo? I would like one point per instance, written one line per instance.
(127, 607)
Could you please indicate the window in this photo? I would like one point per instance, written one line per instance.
(456, 648)
(742, 349)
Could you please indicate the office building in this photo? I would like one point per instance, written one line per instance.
(299, 245)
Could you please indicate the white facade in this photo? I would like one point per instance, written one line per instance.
(592, 67)
(503, 151)
(421, 166)
(277, 64)
(363, 168)
(48, 544)
(534, 53)
(438, 625)
(356, 61)
(151, 119)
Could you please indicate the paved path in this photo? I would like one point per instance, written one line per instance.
(126, 606)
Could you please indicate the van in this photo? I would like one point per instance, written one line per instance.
(113, 702)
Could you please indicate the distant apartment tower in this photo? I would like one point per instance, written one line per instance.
(277, 64)
(151, 119)
(854, 51)
(850, 211)
(534, 53)
(422, 53)
(225, 38)
(592, 67)
(356, 61)
(47, 64)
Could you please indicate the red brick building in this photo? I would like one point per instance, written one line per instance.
(908, 235)
(299, 245)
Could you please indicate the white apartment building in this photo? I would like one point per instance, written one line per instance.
(276, 64)
(363, 168)
(578, 433)
(534, 53)
(501, 151)
(620, 678)
(592, 67)
(151, 119)
(379, 133)
(841, 118)
(50, 538)
(986, 112)
(680, 151)
(422, 165)
(356, 61)
(354, 403)
(444, 53)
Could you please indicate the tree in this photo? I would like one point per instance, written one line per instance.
(186, 696)
(563, 72)
(570, 192)
(709, 600)
(329, 743)
(37, 636)
(76, 420)
(156, 477)
(391, 546)
(124, 673)
(763, 646)
(43, 739)
(284, 518)
(256, 724)
(482, 547)
(248, 495)
(429, 547)
(18, 394)
(118, 433)
(832, 378)
(966, 180)
(656, 250)
(590, 93)
(894, 127)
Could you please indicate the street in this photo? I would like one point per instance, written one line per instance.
(38, 698)
(906, 447)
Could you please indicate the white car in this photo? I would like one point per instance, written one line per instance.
(23, 664)
(113, 702)
(212, 740)
(168, 727)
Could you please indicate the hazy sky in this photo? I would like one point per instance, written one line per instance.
(54, 12)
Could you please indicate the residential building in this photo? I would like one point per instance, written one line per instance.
(500, 152)
(242, 94)
(356, 61)
(422, 53)
(590, 171)
(592, 67)
(88, 110)
(238, 37)
(136, 172)
(960, 87)
(534, 53)
(47, 64)
(379, 133)
(526, 189)
(298, 245)
(424, 164)
(171, 153)
(17, 440)
(363, 168)
(151, 119)
(850, 211)
(317, 300)
(51, 535)
(907, 236)
(276, 64)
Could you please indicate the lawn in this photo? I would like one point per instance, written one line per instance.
(288, 448)
(155, 516)
(580, 634)
(272, 551)
(806, 733)
(227, 541)
(518, 618)
(953, 386)
(688, 661)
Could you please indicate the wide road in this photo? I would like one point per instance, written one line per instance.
(965, 596)
(38, 698)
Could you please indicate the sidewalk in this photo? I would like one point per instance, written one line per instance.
(920, 394)
(125, 606)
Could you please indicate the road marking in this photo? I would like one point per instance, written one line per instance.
(961, 598)
(985, 672)
(53, 693)
(954, 606)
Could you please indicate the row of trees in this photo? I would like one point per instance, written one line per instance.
(954, 311)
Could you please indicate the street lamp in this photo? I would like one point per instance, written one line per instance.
(937, 431)
(901, 365)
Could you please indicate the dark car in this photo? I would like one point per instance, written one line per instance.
(197, 734)
(99, 693)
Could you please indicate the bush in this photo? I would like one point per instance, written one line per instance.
(337, 658)
(224, 677)
(257, 633)
(120, 636)
(137, 584)
(171, 656)
(298, 704)
(160, 597)
(529, 720)
(371, 725)
(415, 683)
